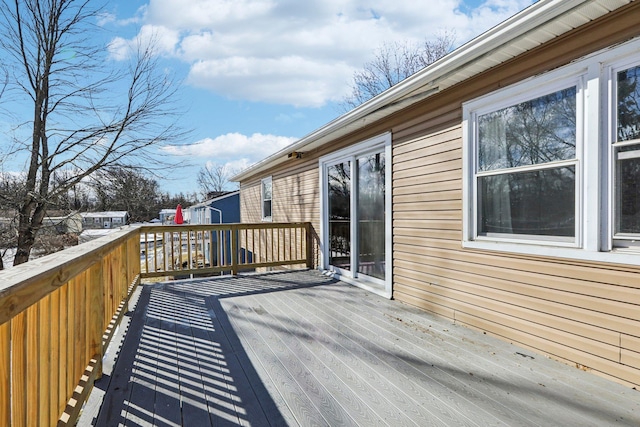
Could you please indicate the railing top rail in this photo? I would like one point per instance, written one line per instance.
(210, 227)
(25, 284)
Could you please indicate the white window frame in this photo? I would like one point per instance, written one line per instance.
(595, 77)
(377, 144)
(263, 181)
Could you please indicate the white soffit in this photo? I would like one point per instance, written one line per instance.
(536, 25)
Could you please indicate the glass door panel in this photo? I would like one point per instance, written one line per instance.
(339, 192)
(371, 215)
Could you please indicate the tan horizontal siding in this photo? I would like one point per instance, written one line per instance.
(526, 333)
(429, 168)
(547, 300)
(435, 142)
(578, 335)
(448, 185)
(426, 180)
(296, 193)
(601, 296)
(250, 203)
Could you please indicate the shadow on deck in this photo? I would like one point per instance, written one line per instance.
(298, 348)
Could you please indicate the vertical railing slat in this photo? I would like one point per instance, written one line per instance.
(96, 323)
(234, 250)
(64, 347)
(71, 331)
(146, 253)
(19, 370)
(33, 335)
(44, 359)
(54, 379)
(5, 374)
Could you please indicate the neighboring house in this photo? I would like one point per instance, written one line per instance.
(223, 209)
(167, 216)
(109, 219)
(498, 187)
(67, 224)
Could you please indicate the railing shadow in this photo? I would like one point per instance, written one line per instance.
(181, 362)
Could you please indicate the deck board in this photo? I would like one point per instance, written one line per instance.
(298, 348)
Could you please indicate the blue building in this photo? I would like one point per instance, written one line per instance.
(224, 209)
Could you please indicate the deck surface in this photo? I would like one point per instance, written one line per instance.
(298, 348)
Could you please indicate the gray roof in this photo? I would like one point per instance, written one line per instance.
(105, 214)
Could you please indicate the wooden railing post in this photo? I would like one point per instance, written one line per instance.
(234, 249)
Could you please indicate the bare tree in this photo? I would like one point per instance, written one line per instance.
(11, 190)
(214, 178)
(84, 118)
(127, 189)
(394, 62)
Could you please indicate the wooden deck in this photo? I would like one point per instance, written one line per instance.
(298, 348)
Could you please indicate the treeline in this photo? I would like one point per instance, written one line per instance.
(111, 189)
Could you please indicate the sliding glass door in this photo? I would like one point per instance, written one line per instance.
(356, 214)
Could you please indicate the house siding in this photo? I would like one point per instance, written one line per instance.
(584, 313)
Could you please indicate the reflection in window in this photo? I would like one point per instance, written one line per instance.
(534, 132)
(627, 154)
(371, 220)
(339, 186)
(535, 199)
(540, 202)
(628, 190)
(628, 104)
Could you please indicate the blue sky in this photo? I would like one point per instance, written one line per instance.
(259, 74)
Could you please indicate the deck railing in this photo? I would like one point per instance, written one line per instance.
(179, 250)
(57, 313)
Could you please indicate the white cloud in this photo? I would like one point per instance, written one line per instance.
(289, 80)
(289, 118)
(232, 146)
(105, 18)
(294, 52)
(164, 39)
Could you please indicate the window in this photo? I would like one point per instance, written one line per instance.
(266, 195)
(526, 168)
(551, 165)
